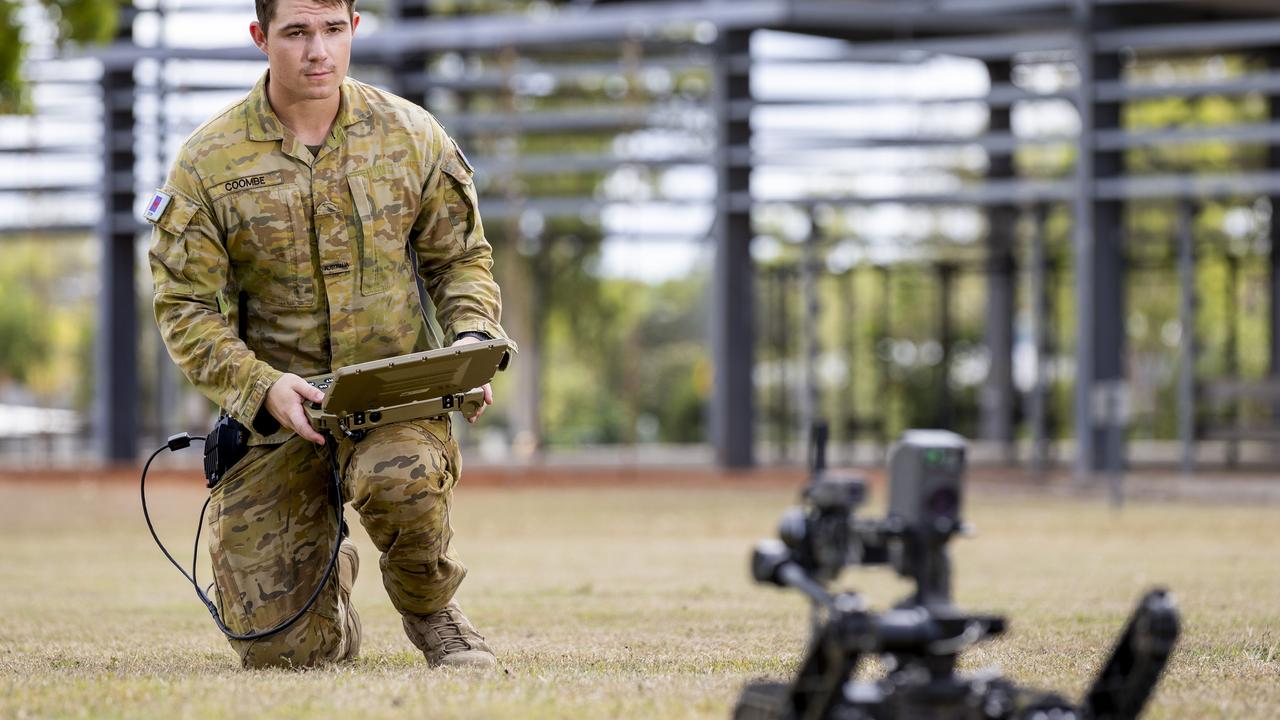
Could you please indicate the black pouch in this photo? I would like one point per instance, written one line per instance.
(226, 445)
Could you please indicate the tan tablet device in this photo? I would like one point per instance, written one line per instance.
(407, 387)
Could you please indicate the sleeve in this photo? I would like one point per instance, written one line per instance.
(189, 268)
(454, 258)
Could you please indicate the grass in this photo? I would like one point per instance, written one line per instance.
(618, 603)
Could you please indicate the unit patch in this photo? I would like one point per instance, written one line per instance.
(159, 203)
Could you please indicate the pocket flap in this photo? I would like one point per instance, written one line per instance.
(360, 194)
(175, 218)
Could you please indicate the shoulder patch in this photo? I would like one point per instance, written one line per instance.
(159, 203)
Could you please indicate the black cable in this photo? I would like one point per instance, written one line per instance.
(183, 440)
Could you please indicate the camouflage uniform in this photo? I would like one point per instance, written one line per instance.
(318, 248)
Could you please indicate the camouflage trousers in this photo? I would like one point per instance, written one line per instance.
(272, 526)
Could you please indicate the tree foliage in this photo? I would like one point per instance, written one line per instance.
(46, 319)
(76, 21)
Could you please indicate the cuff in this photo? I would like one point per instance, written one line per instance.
(251, 402)
(480, 325)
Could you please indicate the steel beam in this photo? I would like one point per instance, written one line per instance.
(997, 399)
(733, 341)
(1272, 55)
(1107, 316)
(945, 410)
(1187, 343)
(116, 416)
(1099, 289)
(613, 119)
(1234, 34)
(1038, 399)
(1006, 143)
(1232, 350)
(1260, 82)
(982, 47)
(810, 311)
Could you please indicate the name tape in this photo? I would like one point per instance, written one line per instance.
(245, 183)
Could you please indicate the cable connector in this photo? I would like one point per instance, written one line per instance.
(178, 442)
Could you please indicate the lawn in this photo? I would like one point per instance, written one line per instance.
(618, 602)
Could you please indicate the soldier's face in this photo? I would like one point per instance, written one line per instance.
(308, 47)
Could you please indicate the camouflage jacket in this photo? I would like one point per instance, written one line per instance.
(317, 246)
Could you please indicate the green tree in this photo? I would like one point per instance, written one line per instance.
(77, 21)
(46, 318)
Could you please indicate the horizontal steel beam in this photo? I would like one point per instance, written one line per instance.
(1118, 91)
(1268, 133)
(575, 163)
(1188, 186)
(525, 74)
(614, 117)
(1012, 192)
(948, 16)
(1002, 95)
(1004, 143)
(989, 47)
(499, 207)
(1198, 36)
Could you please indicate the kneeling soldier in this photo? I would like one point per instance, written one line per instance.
(292, 214)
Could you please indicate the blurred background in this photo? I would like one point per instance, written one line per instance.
(1045, 224)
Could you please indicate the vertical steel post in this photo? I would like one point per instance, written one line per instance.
(116, 373)
(402, 67)
(779, 309)
(1039, 397)
(946, 284)
(1187, 343)
(1273, 254)
(733, 344)
(997, 398)
(1232, 351)
(809, 396)
(167, 387)
(884, 353)
(1099, 287)
(1082, 240)
(848, 400)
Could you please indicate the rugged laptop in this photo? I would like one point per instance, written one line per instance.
(407, 387)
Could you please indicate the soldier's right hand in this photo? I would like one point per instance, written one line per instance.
(284, 402)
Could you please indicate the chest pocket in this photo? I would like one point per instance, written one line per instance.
(268, 244)
(385, 210)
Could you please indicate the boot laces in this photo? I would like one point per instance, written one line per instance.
(449, 630)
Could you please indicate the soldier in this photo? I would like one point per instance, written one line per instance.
(308, 207)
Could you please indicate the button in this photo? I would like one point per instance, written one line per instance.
(327, 208)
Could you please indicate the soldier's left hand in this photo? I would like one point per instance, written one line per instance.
(488, 389)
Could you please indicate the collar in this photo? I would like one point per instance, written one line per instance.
(264, 124)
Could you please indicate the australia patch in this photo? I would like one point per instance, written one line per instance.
(159, 203)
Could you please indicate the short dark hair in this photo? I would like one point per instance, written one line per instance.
(267, 9)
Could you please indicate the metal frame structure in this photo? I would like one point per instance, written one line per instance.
(1095, 36)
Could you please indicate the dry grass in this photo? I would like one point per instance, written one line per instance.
(619, 603)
